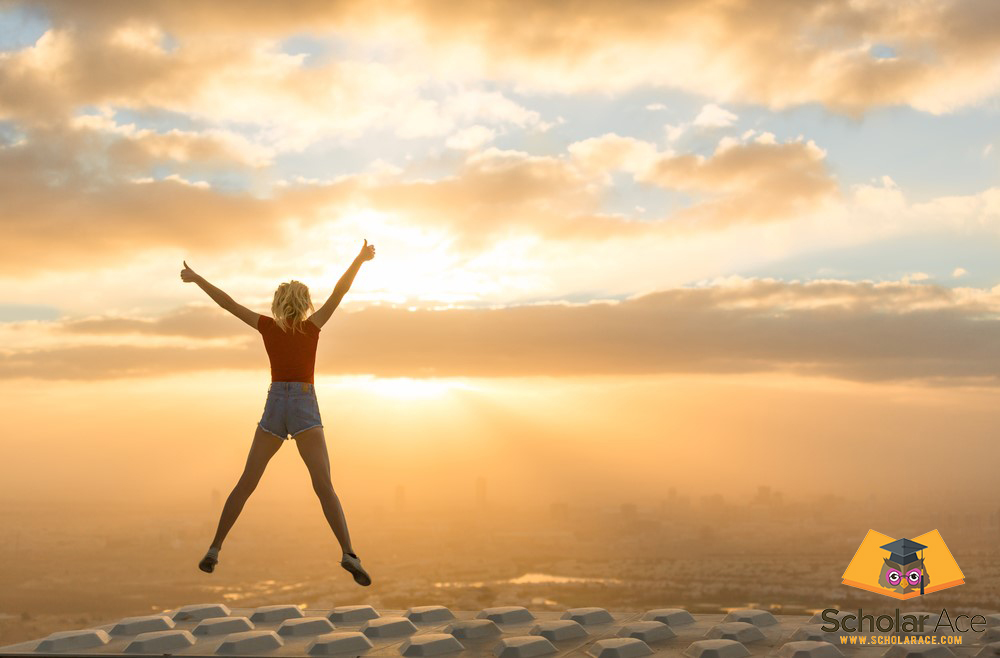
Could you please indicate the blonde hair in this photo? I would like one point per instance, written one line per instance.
(291, 301)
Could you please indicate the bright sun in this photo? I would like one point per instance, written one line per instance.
(403, 387)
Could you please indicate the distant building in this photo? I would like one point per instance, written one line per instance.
(481, 501)
(400, 498)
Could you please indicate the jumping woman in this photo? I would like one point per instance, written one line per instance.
(290, 338)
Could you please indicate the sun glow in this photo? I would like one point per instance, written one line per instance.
(411, 263)
(414, 265)
(408, 388)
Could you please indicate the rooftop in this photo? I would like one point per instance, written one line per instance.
(212, 629)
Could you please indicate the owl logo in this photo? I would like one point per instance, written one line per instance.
(903, 572)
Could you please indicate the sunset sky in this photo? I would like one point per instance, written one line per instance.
(622, 246)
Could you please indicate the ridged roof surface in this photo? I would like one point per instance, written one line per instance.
(213, 629)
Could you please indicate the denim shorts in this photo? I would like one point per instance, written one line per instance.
(291, 408)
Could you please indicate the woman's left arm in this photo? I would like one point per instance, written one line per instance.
(221, 298)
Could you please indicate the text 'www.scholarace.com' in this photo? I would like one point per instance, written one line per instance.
(892, 639)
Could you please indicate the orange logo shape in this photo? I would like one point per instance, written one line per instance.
(903, 568)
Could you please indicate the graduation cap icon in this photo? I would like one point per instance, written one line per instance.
(903, 552)
(900, 574)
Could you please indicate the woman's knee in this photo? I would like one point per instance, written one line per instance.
(323, 487)
(247, 484)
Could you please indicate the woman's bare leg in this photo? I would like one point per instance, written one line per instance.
(312, 448)
(263, 448)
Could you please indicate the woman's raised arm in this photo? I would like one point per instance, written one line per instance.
(320, 317)
(220, 297)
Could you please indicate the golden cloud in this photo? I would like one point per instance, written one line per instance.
(779, 53)
(856, 331)
(87, 185)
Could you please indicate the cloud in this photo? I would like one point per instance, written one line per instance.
(213, 78)
(610, 151)
(471, 138)
(713, 116)
(758, 180)
(782, 54)
(190, 322)
(755, 181)
(220, 78)
(208, 149)
(72, 200)
(433, 118)
(245, 102)
(673, 132)
(497, 193)
(857, 331)
(80, 185)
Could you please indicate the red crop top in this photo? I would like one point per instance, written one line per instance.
(292, 354)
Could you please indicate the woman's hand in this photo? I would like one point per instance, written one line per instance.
(188, 275)
(367, 251)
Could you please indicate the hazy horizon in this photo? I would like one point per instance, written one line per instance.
(593, 439)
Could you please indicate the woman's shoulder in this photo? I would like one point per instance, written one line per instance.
(305, 326)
